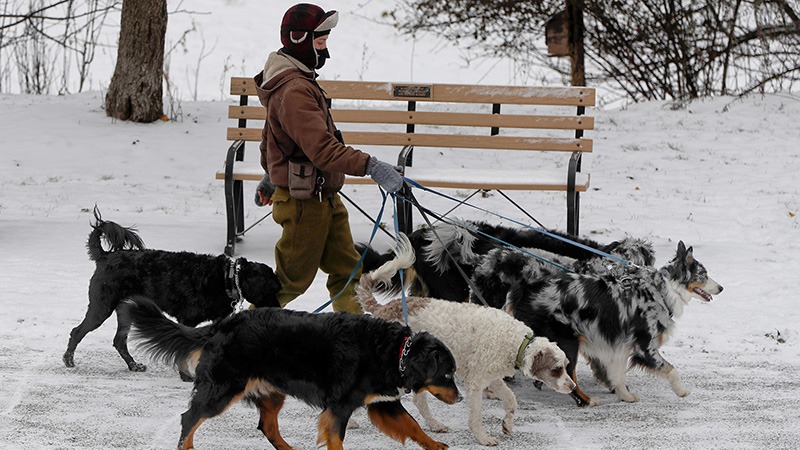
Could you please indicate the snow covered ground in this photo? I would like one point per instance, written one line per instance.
(721, 175)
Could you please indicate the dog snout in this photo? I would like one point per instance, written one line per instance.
(449, 395)
(713, 287)
(567, 386)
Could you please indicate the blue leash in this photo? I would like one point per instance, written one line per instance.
(361, 259)
(538, 230)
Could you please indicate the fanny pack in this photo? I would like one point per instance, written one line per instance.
(302, 178)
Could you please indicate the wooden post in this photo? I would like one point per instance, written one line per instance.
(576, 33)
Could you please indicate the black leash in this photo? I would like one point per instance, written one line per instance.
(241, 233)
(519, 208)
(422, 210)
(365, 214)
(438, 219)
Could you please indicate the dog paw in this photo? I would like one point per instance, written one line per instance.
(352, 424)
(437, 427)
(433, 445)
(629, 397)
(508, 426)
(682, 392)
(137, 367)
(69, 359)
(487, 441)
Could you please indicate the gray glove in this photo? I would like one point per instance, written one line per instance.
(264, 191)
(386, 175)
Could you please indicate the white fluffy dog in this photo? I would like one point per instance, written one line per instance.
(487, 344)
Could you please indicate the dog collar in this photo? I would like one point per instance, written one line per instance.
(232, 284)
(521, 351)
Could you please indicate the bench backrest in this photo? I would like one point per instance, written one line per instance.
(395, 104)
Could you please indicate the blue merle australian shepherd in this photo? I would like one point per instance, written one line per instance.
(616, 319)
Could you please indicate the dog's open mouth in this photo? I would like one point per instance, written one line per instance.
(705, 295)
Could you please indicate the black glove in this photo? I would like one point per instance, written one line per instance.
(264, 191)
(386, 175)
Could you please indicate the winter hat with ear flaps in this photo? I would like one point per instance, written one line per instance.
(301, 24)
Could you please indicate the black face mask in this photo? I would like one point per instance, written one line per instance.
(322, 55)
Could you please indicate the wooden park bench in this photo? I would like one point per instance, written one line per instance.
(457, 119)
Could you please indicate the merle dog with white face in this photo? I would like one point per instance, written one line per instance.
(623, 315)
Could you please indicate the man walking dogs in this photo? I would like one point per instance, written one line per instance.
(305, 162)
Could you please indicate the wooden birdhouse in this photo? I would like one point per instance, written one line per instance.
(556, 35)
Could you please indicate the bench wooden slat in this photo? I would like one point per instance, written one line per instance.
(435, 118)
(552, 180)
(442, 140)
(457, 93)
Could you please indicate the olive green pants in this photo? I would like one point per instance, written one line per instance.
(316, 236)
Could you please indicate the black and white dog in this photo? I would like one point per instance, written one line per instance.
(191, 287)
(623, 315)
(465, 244)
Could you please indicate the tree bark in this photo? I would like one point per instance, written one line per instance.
(135, 92)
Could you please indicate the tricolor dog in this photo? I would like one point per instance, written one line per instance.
(487, 344)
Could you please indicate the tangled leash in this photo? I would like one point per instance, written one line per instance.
(538, 230)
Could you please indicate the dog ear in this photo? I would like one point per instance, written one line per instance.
(689, 258)
(538, 360)
(429, 356)
(260, 285)
(685, 254)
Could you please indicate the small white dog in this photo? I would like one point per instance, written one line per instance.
(487, 344)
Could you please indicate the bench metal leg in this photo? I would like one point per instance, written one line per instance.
(230, 214)
(573, 197)
(404, 211)
(404, 218)
(573, 213)
(234, 208)
(238, 189)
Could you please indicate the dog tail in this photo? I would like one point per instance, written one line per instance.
(404, 258)
(117, 237)
(450, 241)
(161, 338)
(372, 261)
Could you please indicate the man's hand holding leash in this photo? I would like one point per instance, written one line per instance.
(386, 175)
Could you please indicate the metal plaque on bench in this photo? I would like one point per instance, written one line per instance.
(412, 91)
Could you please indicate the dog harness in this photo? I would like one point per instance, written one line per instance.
(521, 351)
(232, 284)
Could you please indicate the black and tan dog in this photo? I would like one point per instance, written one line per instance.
(335, 361)
(191, 287)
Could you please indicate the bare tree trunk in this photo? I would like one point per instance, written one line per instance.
(135, 91)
